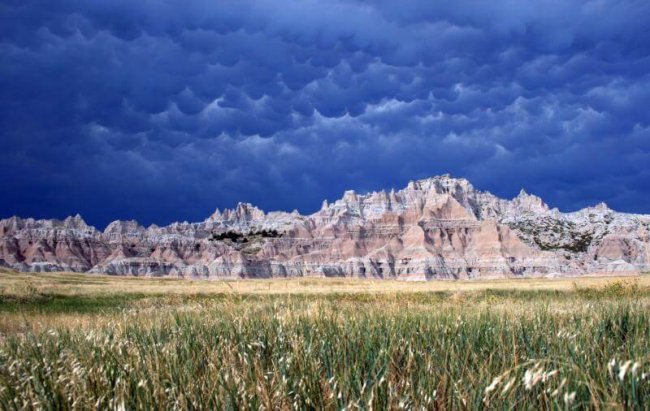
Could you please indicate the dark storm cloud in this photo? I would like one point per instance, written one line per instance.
(165, 110)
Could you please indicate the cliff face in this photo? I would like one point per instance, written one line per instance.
(434, 228)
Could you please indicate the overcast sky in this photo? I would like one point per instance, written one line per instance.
(165, 110)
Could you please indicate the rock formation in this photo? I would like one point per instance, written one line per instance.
(439, 227)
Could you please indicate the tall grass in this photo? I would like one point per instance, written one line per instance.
(498, 350)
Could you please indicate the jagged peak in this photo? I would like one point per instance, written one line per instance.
(441, 183)
(242, 211)
(524, 194)
(248, 208)
(350, 195)
(215, 216)
(75, 219)
(529, 202)
(123, 227)
(602, 206)
(75, 222)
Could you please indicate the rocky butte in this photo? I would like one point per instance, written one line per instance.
(436, 228)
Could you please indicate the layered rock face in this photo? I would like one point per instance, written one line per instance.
(439, 227)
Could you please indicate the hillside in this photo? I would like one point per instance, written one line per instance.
(436, 228)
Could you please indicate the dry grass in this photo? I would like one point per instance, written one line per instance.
(76, 341)
(93, 284)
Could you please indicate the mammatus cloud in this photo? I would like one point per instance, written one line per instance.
(164, 111)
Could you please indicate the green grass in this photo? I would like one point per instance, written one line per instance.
(57, 304)
(497, 349)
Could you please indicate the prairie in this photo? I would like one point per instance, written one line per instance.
(78, 341)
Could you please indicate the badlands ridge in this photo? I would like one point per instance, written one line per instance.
(439, 227)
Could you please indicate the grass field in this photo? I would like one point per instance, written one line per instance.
(75, 341)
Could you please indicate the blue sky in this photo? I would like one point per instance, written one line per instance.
(165, 110)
